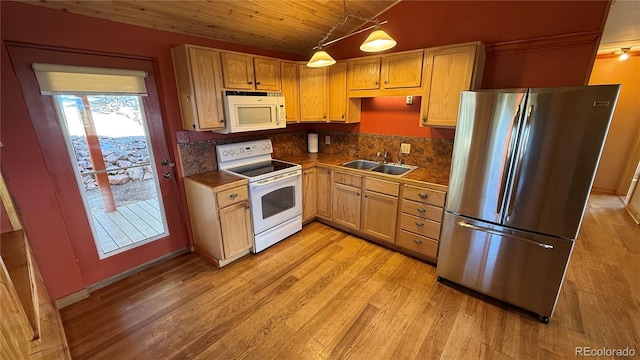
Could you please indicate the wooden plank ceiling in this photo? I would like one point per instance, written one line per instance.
(291, 26)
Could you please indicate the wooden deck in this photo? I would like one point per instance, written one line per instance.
(128, 225)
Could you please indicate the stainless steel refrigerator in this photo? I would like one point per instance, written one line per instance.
(523, 164)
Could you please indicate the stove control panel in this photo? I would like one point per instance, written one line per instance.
(243, 150)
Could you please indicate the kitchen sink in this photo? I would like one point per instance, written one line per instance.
(394, 169)
(389, 169)
(361, 164)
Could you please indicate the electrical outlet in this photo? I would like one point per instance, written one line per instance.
(182, 136)
(327, 139)
(409, 99)
(405, 148)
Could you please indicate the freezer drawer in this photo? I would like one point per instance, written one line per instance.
(520, 268)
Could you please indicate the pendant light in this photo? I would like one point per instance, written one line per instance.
(378, 40)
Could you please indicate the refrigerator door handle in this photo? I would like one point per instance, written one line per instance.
(503, 234)
(523, 146)
(512, 139)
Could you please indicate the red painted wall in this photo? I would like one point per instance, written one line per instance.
(23, 165)
(415, 24)
(422, 24)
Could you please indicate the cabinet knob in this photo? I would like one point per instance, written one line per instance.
(424, 120)
(324, 116)
(188, 98)
(328, 171)
(233, 196)
(377, 82)
(423, 195)
(343, 116)
(250, 82)
(358, 193)
(257, 82)
(417, 241)
(418, 223)
(421, 210)
(386, 82)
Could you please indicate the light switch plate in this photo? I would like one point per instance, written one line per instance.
(405, 148)
(327, 139)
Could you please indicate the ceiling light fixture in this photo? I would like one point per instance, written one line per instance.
(623, 53)
(378, 40)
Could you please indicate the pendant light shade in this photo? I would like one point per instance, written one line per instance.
(378, 40)
(320, 59)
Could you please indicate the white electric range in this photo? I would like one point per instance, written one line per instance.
(275, 189)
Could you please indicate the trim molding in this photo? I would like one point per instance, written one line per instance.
(86, 292)
(72, 298)
(543, 43)
(135, 270)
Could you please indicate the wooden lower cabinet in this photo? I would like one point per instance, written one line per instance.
(346, 206)
(309, 194)
(323, 192)
(379, 215)
(220, 220)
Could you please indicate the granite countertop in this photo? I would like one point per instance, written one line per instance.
(437, 177)
(219, 180)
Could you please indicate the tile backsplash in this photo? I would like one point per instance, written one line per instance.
(200, 156)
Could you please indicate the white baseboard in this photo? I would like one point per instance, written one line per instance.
(85, 293)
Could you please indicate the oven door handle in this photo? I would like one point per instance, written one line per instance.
(271, 180)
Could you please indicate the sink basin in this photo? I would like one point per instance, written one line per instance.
(394, 169)
(361, 164)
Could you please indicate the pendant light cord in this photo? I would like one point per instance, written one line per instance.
(346, 16)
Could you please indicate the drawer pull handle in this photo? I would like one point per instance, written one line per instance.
(417, 241)
(423, 195)
(421, 210)
(419, 223)
(233, 196)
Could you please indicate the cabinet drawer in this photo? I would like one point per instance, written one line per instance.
(417, 243)
(347, 179)
(420, 226)
(232, 196)
(422, 210)
(426, 196)
(382, 186)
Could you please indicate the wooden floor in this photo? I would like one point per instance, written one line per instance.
(128, 225)
(323, 294)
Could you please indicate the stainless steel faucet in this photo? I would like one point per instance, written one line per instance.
(384, 156)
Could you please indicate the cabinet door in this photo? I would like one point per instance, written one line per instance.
(237, 71)
(323, 186)
(447, 72)
(235, 226)
(313, 93)
(364, 74)
(346, 206)
(206, 92)
(309, 194)
(267, 73)
(338, 92)
(289, 72)
(402, 70)
(379, 215)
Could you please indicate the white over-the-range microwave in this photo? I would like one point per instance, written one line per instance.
(253, 110)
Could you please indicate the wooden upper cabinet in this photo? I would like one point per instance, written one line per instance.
(402, 70)
(237, 71)
(290, 89)
(388, 75)
(267, 74)
(364, 74)
(199, 82)
(448, 70)
(338, 92)
(247, 72)
(313, 93)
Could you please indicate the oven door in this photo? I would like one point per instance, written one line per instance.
(275, 200)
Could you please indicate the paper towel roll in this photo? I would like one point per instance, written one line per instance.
(312, 143)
